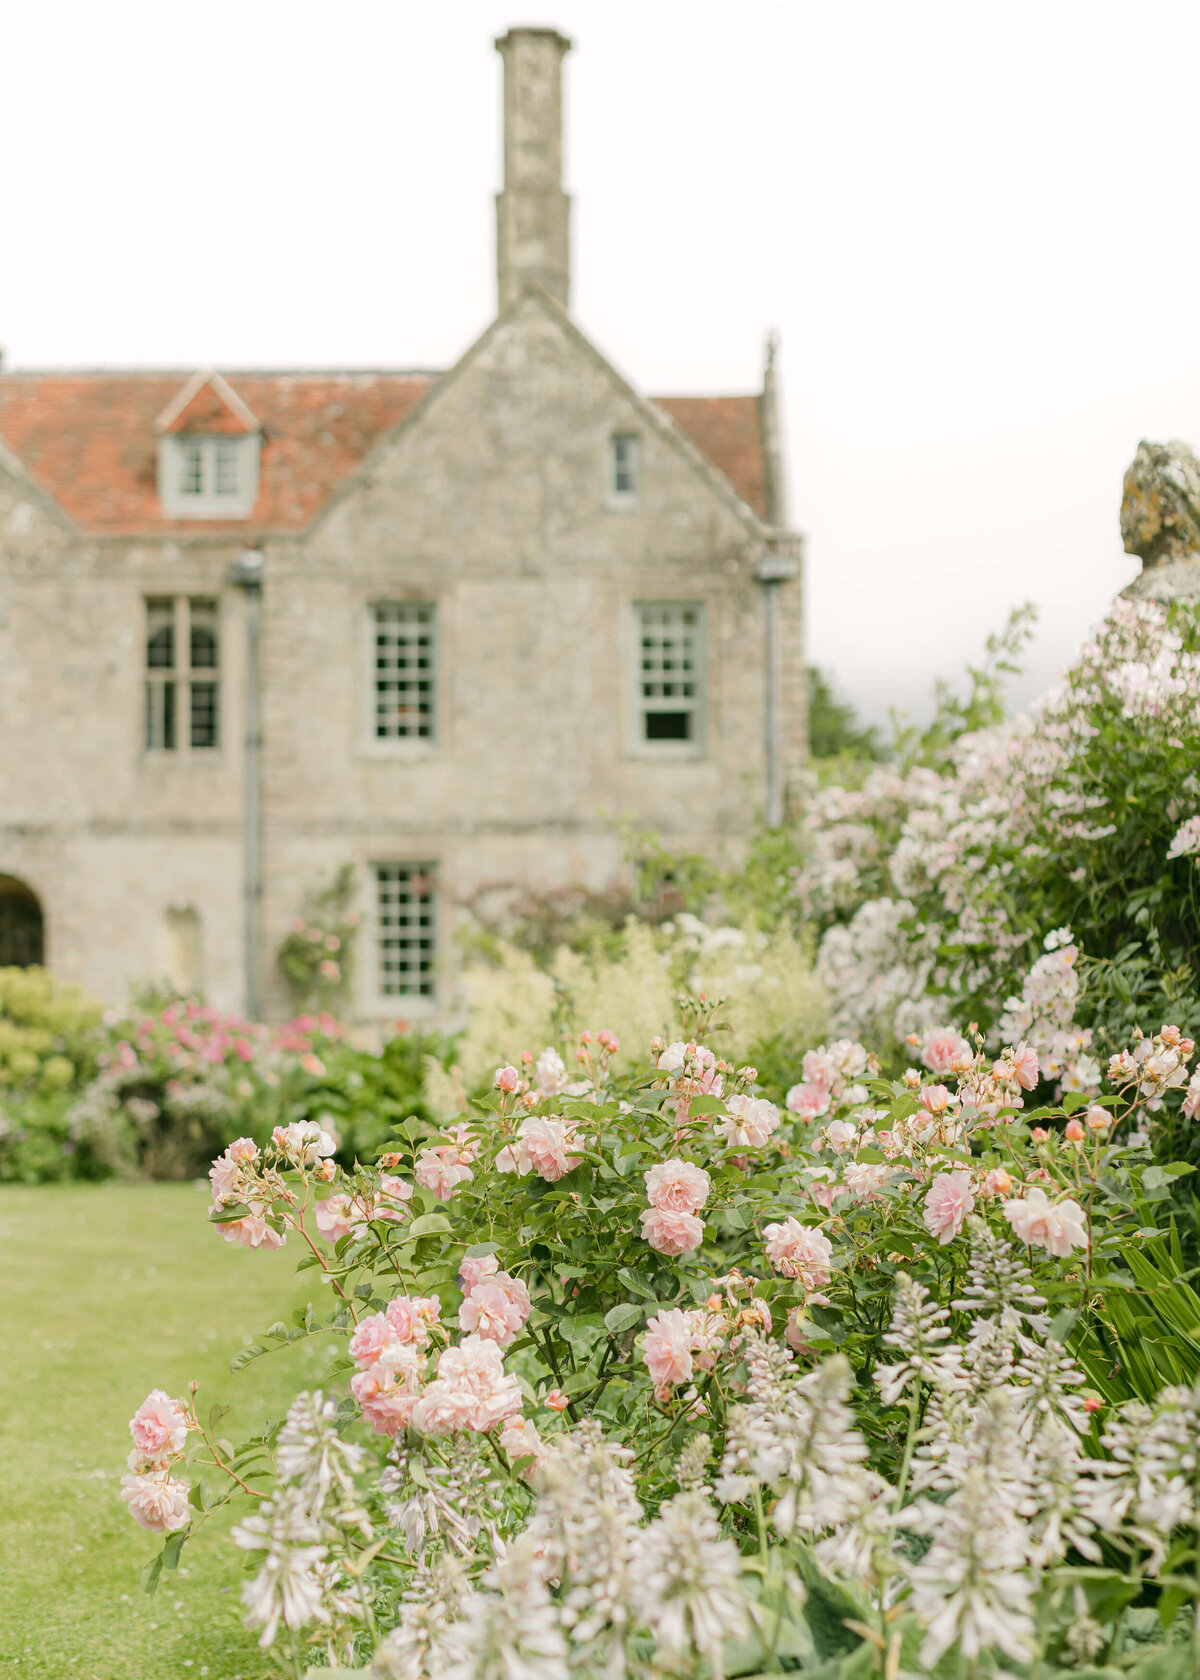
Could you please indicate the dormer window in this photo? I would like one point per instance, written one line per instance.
(208, 453)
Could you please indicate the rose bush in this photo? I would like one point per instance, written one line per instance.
(644, 1373)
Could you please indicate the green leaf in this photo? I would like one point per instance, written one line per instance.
(151, 1574)
(1062, 1324)
(637, 1283)
(173, 1547)
(430, 1225)
(245, 1357)
(621, 1317)
(1176, 1169)
(1072, 1101)
(227, 1214)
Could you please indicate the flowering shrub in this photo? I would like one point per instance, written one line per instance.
(645, 1374)
(177, 1079)
(933, 884)
(49, 1039)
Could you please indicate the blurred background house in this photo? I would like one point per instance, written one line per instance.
(446, 628)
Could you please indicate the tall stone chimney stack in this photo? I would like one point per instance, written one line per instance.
(533, 211)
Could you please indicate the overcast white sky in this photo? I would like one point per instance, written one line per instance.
(974, 222)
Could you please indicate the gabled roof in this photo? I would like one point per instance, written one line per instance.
(207, 403)
(89, 440)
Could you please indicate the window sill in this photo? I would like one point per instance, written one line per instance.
(401, 747)
(672, 752)
(183, 755)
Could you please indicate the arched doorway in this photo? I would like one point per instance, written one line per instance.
(22, 932)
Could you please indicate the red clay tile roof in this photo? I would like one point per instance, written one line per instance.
(729, 431)
(89, 439)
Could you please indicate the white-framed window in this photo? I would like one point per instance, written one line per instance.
(406, 914)
(208, 476)
(624, 467)
(670, 673)
(403, 671)
(182, 674)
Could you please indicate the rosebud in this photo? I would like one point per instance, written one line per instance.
(1091, 1404)
(1074, 1132)
(1039, 1134)
(998, 1182)
(557, 1400)
(1098, 1119)
(507, 1079)
(390, 1161)
(912, 1078)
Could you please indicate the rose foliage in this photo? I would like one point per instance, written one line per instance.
(645, 1375)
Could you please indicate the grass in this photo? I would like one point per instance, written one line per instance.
(109, 1291)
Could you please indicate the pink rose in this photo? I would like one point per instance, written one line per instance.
(442, 1169)
(799, 1251)
(749, 1123)
(997, 1182)
(389, 1390)
(1058, 1227)
(336, 1218)
(157, 1503)
(1024, 1064)
(839, 1135)
(677, 1186)
(507, 1079)
(807, 1101)
(547, 1144)
(411, 1315)
(474, 1269)
(934, 1099)
(550, 1073)
(159, 1426)
(472, 1391)
(369, 1340)
(556, 1400)
(519, 1439)
(945, 1051)
(394, 1193)
(671, 1233)
(253, 1231)
(667, 1350)
(496, 1309)
(950, 1199)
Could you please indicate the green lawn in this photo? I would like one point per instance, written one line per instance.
(110, 1291)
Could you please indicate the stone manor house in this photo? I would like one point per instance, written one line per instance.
(450, 629)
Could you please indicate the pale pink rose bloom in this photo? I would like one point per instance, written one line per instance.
(224, 1174)
(556, 1400)
(808, 1101)
(839, 1135)
(550, 1073)
(934, 1099)
(496, 1308)
(749, 1123)
(411, 1315)
(823, 1187)
(667, 1350)
(820, 1068)
(677, 1186)
(1058, 1227)
(1191, 1101)
(671, 1233)
(389, 1390)
(442, 1169)
(369, 1340)
(475, 1268)
(393, 1194)
(465, 1141)
(157, 1503)
(243, 1150)
(304, 1142)
(472, 1390)
(253, 1231)
(514, 1158)
(950, 1199)
(703, 1076)
(159, 1426)
(507, 1079)
(519, 1439)
(997, 1182)
(799, 1251)
(336, 1218)
(547, 1144)
(946, 1051)
(864, 1180)
(709, 1331)
(1024, 1063)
